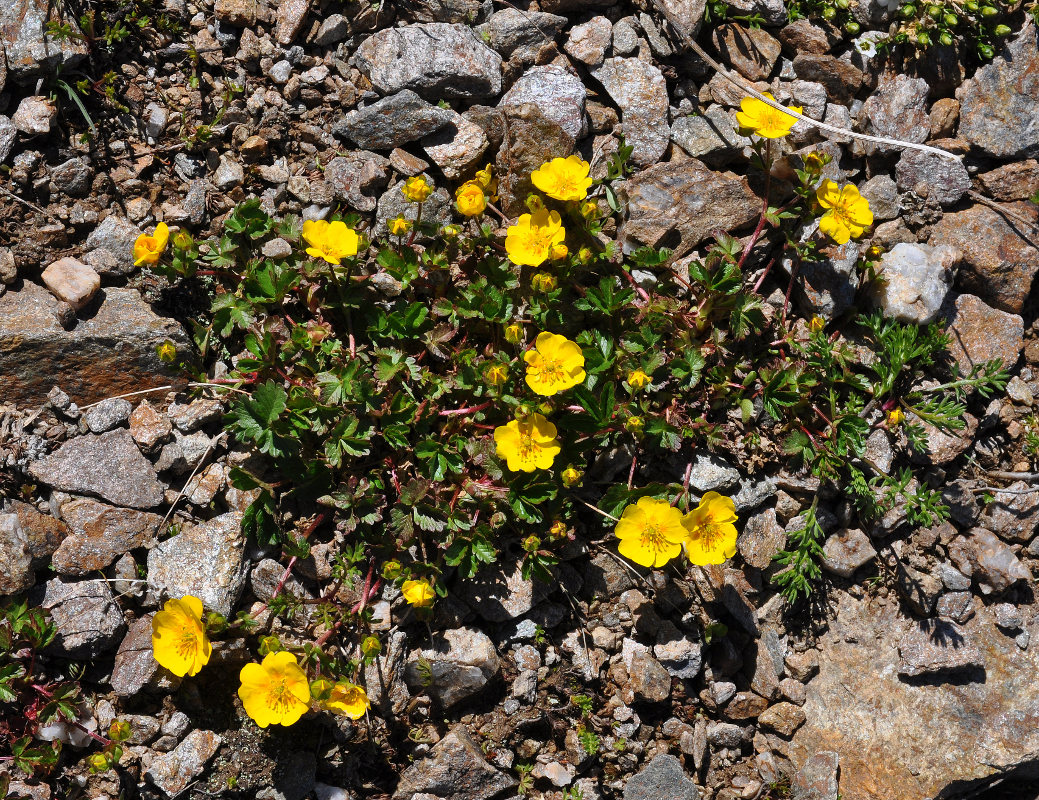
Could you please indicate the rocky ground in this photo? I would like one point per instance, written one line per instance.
(912, 673)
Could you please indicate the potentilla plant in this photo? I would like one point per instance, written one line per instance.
(442, 393)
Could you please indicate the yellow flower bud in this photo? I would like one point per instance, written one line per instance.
(167, 352)
(875, 251)
(637, 379)
(399, 226)
(585, 255)
(543, 282)
(119, 730)
(523, 411)
(391, 570)
(558, 529)
(321, 689)
(371, 646)
(270, 644)
(895, 417)
(816, 324)
(98, 762)
(514, 333)
(571, 476)
(558, 252)
(635, 425)
(496, 374)
(416, 190)
(535, 203)
(589, 209)
(182, 240)
(450, 231)
(531, 544)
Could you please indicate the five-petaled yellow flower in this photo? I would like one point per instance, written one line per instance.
(816, 324)
(563, 178)
(847, 212)
(763, 119)
(332, 241)
(470, 199)
(554, 365)
(147, 249)
(418, 593)
(348, 699)
(651, 532)
(710, 532)
(179, 641)
(276, 691)
(529, 242)
(638, 379)
(416, 190)
(399, 226)
(527, 445)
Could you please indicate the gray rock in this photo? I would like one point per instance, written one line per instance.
(353, 176)
(686, 198)
(289, 19)
(990, 562)
(711, 137)
(108, 414)
(456, 769)
(8, 136)
(846, 551)
(917, 278)
(772, 11)
(712, 474)
(135, 666)
(952, 578)
(638, 88)
(72, 177)
(30, 52)
(108, 466)
(117, 235)
(722, 692)
(434, 59)
(1014, 513)
(649, 681)
(981, 333)
(462, 662)
(662, 779)
(726, 734)
(334, 29)
(205, 560)
(87, 619)
(34, 115)
(100, 534)
(817, 778)
(294, 779)
(16, 563)
(943, 180)
(72, 282)
(762, 538)
(190, 417)
(457, 148)
(172, 772)
(882, 194)
(589, 41)
(559, 95)
(229, 173)
(625, 36)
(1008, 617)
(842, 80)
(500, 593)
(937, 647)
(999, 106)
(155, 120)
(956, 607)
(520, 35)
(750, 51)
(392, 122)
(828, 284)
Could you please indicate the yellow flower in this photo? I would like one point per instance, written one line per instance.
(470, 199)
(589, 209)
(895, 417)
(179, 641)
(147, 249)
(496, 374)
(558, 529)
(635, 425)
(399, 226)
(418, 593)
(554, 365)
(571, 476)
(763, 119)
(349, 700)
(563, 178)
(558, 252)
(332, 241)
(167, 352)
(543, 282)
(528, 445)
(529, 242)
(416, 190)
(485, 177)
(651, 532)
(711, 534)
(816, 324)
(514, 333)
(637, 379)
(848, 214)
(274, 692)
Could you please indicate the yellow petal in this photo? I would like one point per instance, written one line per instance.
(828, 194)
(834, 228)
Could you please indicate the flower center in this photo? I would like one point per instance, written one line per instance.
(707, 535)
(527, 447)
(653, 537)
(187, 643)
(279, 698)
(551, 370)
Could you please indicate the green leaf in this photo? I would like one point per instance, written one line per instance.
(252, 419)
(259, 522)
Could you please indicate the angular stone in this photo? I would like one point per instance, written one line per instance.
(999, 261)
(392, 122)
(801, 36)
(750, 51)
(462, 662)
(34, 115)
(135, 666)
(680, 204)
(108, 414)
(438, 210)
(937, 647)
(1014, 513)
(841, 79)
(100, 534)
(650, 682)
(711, 137)
(662, 779)
(829, 282)
(981, 333)
(990, 562)
(531, 139)
(108, 466)
(437, 60)
(559, 95)
(520, 35)
(87, 619)
(712, 474)
(205, 560)
(678, 653)
(456, 769)
(173, 771)
(761, 539)
(638, 88)
(16, 564)
(783, 718)
(846, 551)
(354, 175)
(291, 14)
(745, 705)
(590, 40)
(897, 110)
(916, 281)
(817, 778)
(149, 427)
(117, 235)
(30, 52)
(1017, 181)
(999, 106)
(943, 180)
(500, 593)
(457, 148)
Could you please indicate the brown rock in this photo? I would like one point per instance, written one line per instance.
(1017, 181)
(649, 680)
(783, 718)
(100, 534)
(945, 113)
(761, 539)
(841, 80)
(531, 139)
(240, 13)
(981, 333)
(135, 666)
(896, 110)
(801, 36)
(43, 532)
(291, 14)
(72, 281)
(745, 705)
(750, 51)
(999, 261)
(149, 427)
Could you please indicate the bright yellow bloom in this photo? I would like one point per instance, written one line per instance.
(527, 445)
(848, 214)
(571, 476)
(147, 249)
(332, 241)
(651, 532)
(710, 532)
(763, 119)
(543, 282)
(816, 324)
(399, 226)
(514, 333)
(179, 641)
(554, 365)
(895, 417)
(470, 199)
(637, 379)
(563, 178)
(349, 700)
(496, 374)
(529, 242)
(635, 425)
(558, 252)
(416, 190)
(418, 593)
(276, 691)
